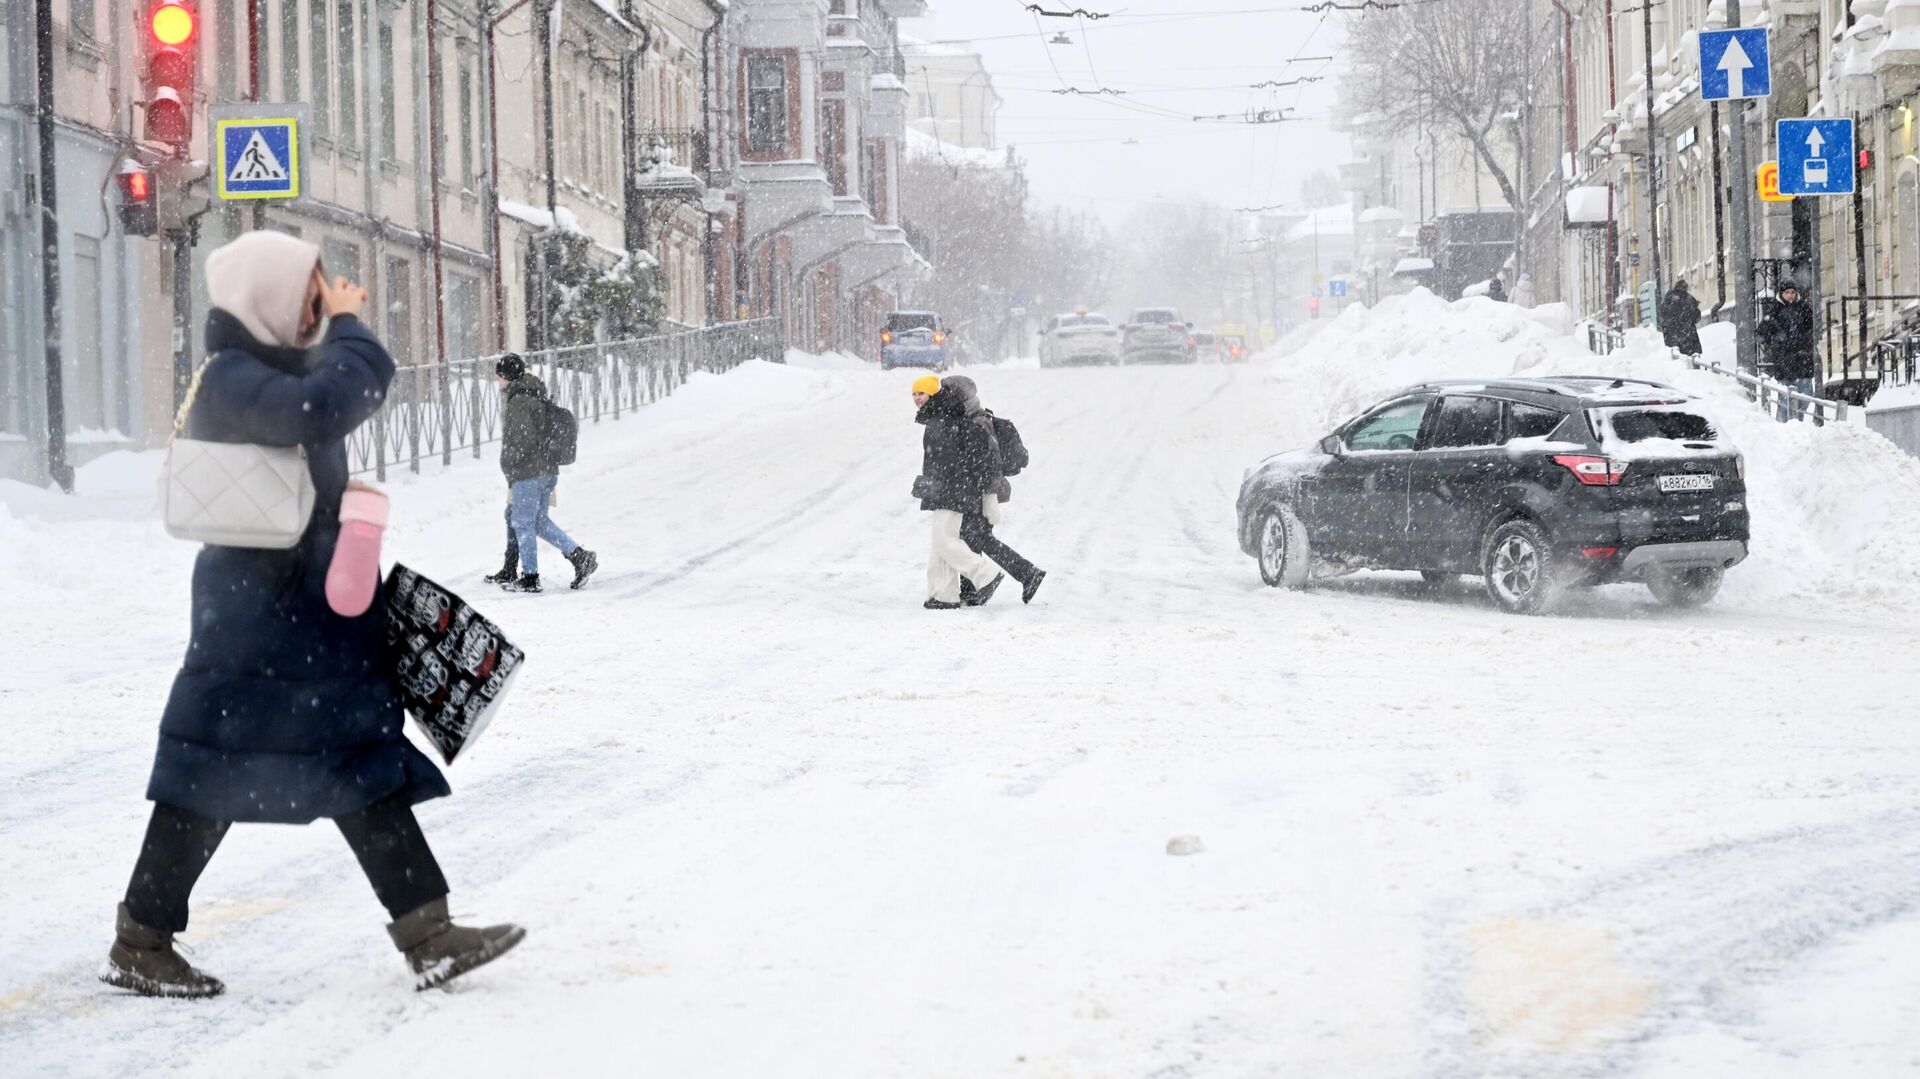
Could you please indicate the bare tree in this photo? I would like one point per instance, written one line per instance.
(1462, 63)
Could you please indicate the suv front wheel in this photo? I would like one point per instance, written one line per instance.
(1283, 551)
(1518, 564)
(1686, 587)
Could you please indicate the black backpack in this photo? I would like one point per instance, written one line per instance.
(562, 432)
(1013, 452)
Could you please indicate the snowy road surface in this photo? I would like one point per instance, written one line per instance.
(765, 816)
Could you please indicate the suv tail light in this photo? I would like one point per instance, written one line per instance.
(939, 338)
(886, 337)
(1593, 471)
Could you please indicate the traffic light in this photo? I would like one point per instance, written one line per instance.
(173, 31)
(1313, 307)
(138, 214)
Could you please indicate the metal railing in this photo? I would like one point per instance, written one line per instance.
(1773, 396)
(1770, 395)
(435, 409)
(686, 147)
(1887, 359)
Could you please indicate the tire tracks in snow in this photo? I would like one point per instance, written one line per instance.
(1580, 987)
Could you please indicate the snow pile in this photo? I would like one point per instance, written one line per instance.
(1836, 509)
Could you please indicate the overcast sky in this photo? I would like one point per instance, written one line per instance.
(1179, 57)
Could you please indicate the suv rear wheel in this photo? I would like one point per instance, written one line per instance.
(1518, 564)
(1686, 587)
(1285, 558)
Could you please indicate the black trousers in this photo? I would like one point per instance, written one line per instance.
(977, 533)
(385, 837)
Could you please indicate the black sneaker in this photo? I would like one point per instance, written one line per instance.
(584, 563)
(1033, 586)
(507, 573)
(529, 583)
(936, 605)
(984, 593)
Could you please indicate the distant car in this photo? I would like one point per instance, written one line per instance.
(1233, 349)
(1533, 485)
(1156, 335)
(1079, 338)
(913, 339)
(1205, 342)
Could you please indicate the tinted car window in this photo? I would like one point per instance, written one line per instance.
(1156, 315)
(1466, 421)
(912, 320)
(1531, 421)
(1394, 427)
(1638, 425)
(1083, 320)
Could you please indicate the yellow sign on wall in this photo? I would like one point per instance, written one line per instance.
(1768, 181)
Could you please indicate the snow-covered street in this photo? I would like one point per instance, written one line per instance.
(763, 815)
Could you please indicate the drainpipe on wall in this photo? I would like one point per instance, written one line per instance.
(633, 207)
(1613, 228)
(492, 228)
(706, 139)
(434, 109)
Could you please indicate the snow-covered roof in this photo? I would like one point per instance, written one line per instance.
(1381, 213)
(922, 145)
(540, 218)
(1413, 265)
(1324, 222)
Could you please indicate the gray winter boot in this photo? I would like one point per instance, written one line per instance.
(143, 960)
(440, 951)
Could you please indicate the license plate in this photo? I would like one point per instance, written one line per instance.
(1671, 484)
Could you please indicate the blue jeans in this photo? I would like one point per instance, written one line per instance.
(528, 508)
(1795, 410)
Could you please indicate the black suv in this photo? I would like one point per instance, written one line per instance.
(1534, 484)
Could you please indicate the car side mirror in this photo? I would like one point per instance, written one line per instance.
(1333, 447)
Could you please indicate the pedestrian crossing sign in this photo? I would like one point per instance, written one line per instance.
(257, 158)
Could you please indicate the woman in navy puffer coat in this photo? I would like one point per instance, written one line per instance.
(284, 711)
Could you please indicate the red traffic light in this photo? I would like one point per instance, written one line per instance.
(138, 185)
(172, 22)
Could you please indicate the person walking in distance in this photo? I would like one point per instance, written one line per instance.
(1791, 335)
(978, 527)
(284, 711)
(1680, 319)
(527, 456)
(955, 467)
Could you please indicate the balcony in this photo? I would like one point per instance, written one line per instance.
(673, 163)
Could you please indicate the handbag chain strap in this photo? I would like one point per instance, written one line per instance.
(193, 391)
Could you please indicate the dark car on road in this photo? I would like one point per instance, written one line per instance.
(1534, 485)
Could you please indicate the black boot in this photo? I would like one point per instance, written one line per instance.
(584, 563)
(508, 569)
(529, 583)
(984, 593)
(937, 605)
(1032, 585)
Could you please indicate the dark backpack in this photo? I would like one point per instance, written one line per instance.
(1013, 452)
(560, 430)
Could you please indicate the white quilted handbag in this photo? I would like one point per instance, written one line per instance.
(234, 494)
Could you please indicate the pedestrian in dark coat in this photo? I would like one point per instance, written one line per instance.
(978, 528)
(1790, 336)
(1497, 290)
(284, 711)
(1680, 320)
(527, 459)
(955, 470)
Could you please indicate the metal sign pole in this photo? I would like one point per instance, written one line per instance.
(1742, 206)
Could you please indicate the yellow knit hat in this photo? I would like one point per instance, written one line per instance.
(927, 384)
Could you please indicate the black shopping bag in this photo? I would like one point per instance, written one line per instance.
(453, 666)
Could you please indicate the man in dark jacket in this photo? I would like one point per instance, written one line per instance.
(285, 711)
(978, 527)
(1791, 336)
(526, 456)
(1680, 320)
(956, 467)
(1497, 290)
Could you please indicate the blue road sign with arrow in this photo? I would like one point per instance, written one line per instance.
(1816, 156)
(1336, 288)
(1735, 64)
